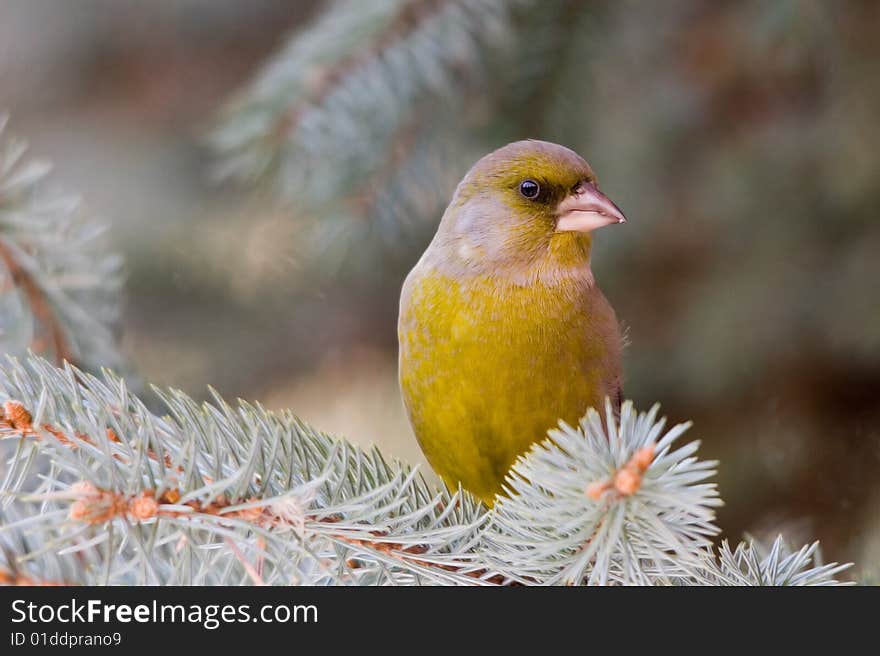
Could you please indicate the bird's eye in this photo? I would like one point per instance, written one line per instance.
(530, 189)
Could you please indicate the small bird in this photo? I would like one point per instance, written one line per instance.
(502, 329)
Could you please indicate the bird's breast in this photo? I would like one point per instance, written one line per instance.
(486, 366)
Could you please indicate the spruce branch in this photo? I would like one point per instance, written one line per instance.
(61, 291)
(621, 504)
(38, 303)
(206, 493)
(100, 490)
(751, 564)
(401, 22)
(356, 61)
(367, 117)
(363, 109)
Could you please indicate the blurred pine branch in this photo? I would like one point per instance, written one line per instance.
(364, 117)
(59, 285)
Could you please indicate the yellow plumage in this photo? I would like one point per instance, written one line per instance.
(502, 329)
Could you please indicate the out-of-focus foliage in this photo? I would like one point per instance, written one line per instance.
(361, 119)
(59, 285)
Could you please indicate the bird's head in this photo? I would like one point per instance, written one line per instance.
(528, 203)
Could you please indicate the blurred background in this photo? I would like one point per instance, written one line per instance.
(265, 244)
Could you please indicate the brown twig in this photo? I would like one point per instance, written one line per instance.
(410, 16)
(39, 305)
(251, 570)
(17, 420)
(411, 555)
(403, 144)
(627, 480)
(11, 577)
(95, 505)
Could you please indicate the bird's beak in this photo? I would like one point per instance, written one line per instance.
(587, 209)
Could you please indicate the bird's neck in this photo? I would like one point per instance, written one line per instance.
(557, 257)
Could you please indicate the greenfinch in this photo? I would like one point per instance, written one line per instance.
(502, 329)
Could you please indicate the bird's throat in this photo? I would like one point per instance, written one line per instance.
(566, 256)
(570, 248)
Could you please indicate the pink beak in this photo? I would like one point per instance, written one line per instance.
(587, 209)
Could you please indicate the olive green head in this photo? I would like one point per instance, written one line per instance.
(530, 202)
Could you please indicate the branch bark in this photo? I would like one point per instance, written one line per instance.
(39, 304)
